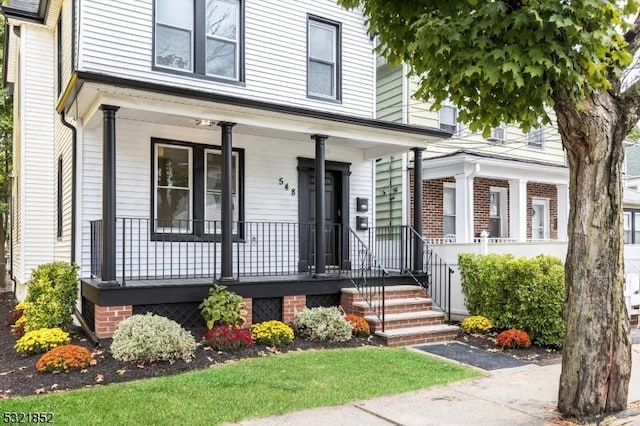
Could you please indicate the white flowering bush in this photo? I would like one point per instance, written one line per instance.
(149, 338)
(326, 324)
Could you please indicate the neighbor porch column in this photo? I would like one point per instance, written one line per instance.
(563, 211)
(417, 208)
(226, 203)
(518, 209)
(464, 207)
(108, 273)
(320, 248)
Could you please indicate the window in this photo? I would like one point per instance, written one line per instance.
(59, 200)
(323, 65)
(449, 211)
(498, 134)
(498, 212)
(188, 188)
(535, 139)
(199, 36)
(631, 226)
(449, 119)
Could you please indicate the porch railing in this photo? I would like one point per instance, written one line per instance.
(394, 247)
(149, 249)
(367, 275)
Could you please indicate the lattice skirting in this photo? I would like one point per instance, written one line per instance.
(323, 300)
(266, 308)
(88, 312)
(185, 314)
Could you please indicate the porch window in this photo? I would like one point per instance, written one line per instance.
(448, 117)
(188, 190)
(449, 211)
(323, 63)
(631, 226)
(173, 188)
(199, 36)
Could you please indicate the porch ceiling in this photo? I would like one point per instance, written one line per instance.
(151, 107)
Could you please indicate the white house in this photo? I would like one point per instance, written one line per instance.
(165, 144)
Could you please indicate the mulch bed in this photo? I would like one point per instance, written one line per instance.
(538, 355)
(18, 375)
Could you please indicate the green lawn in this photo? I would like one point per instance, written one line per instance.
(249, 388)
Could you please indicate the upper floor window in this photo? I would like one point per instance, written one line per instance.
(498, 134)
(535, 138)
(323, 54)
(448, 117)
(199, 36)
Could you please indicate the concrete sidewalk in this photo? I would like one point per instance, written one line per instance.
(516, 396)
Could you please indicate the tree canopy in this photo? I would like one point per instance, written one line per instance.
(505, 61)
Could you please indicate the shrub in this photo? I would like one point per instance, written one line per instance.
(513, 339)
(272, 333)
(360, 325)
(149, 338)
(64, 358)
(222, 307)
(520, 293)
(227, 338)
(326, 324)
(476, 324)
(52, 291)
(42, 340)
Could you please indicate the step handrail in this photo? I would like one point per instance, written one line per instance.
(437, 273)
(367, 275)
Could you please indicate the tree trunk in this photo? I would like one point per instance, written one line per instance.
(596, 357)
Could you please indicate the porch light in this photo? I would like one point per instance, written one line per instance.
(204, 123)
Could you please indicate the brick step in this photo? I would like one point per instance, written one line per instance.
(352, 294)
(394, 306)
(405, 320)
(419, 335)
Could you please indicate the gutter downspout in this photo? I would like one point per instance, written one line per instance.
(74, 147)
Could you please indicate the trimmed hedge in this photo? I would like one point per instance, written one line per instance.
(520, 293)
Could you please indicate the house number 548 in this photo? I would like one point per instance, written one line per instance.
(286, 186)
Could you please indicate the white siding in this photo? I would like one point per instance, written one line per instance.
(66, 15)
(37, 174)
(63, 147)
(275, 51)
(265, 160)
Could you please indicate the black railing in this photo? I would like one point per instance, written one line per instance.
(149, 249)
(96, 247)
(395, 247)
(434, 276)
(367, 275)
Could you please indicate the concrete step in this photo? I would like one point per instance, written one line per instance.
(405, 320)
(394, 306)
(418, 335)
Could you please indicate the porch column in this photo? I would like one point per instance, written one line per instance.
(320, 248)
(464, 208)
(226, 203)
(108, 273)
(563, 211)
(417, 208)
(518, 209)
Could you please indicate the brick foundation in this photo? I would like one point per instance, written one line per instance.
(291, 305)
(248, 305)
(107, 318)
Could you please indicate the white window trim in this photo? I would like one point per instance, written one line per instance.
(311, 21)
(236, 41)
(191, 44)
(456, 124)
(497, 139)
(236, 190)
(542, 147)
(449, 185)
(172, 230)
(546, 226)
(503, 206)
